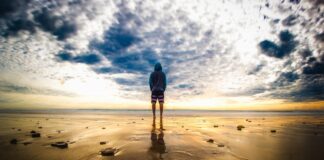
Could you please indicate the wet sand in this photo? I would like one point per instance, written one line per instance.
(272, 137)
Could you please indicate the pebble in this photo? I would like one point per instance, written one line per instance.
(240, 127)
(27, 143)
(273, 131)
(215, 126)
(35, 135)
(103, 142)
(14, 141)
(61, 145)
(221, 145)
(108, 152)
(210, 140)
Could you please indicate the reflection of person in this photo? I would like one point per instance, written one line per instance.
(157, 85)
(157, 141)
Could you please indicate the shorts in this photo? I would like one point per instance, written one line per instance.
(157, 96)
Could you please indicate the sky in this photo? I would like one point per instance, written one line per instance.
(224, 54)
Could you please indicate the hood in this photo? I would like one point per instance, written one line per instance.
(158, 67)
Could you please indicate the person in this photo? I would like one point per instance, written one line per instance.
(157, 83)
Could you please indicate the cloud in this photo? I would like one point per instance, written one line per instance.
(56, 25)
(287, 46)
(89, 59)
(7, 87)
(207, 48)
(116, 39)
(314, 68)
(320, 37)
(290, 20)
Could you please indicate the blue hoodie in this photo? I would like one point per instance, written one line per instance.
(157, 79)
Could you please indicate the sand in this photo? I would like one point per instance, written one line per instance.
(178, 137)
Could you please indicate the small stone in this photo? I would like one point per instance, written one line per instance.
(13, 141)
(215, 126)
(273, 131)
(108, 152)
(142, 118)
(61, 145)
(49, 136)
(27, 143)
(35, 135)
(18, 129)
(103, 142)
(210, 141)
(13, 128)
(221, 145)
(87, 127)
(40, 127)
(103, 128)
(240, 127)
(134, 122)
(32, 131)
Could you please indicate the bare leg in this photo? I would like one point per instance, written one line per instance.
(161, 111)
(153, 110)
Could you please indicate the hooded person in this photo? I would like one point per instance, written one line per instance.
(157, 83)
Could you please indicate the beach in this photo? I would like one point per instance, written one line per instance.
(181, 135)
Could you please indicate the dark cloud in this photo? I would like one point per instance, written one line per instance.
(287, 45)
(290, 20)
(270, 48)
(285, 79)
(14, 26)
(138, 84)
(111, 70)
(10, 6)
(311, 88)
(14, 17)
(294, 1)
(116, 39)
(305, 53)
(57, 25)
(184, 86)
(320, 37)
(89, 59)
(315, 67)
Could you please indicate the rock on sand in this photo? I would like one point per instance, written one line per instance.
(240, 127)
(221, 145)
(103, 142)
(14, 141)
(108, 151)
(210, 140)
(35, 135)
(61, 145)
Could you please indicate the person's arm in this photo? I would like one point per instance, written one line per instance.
(164, 82)
(150, 82)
